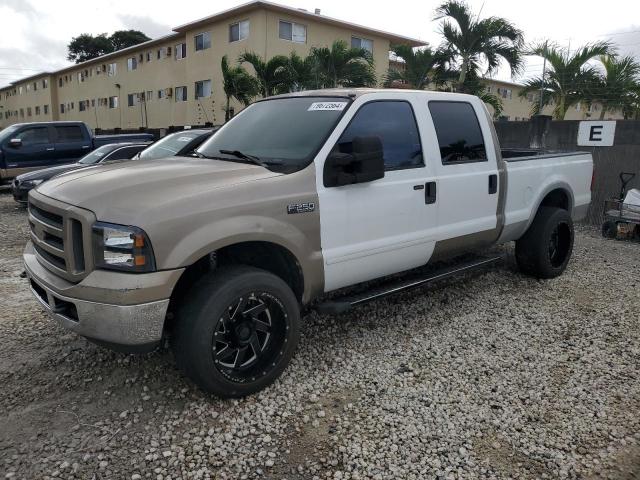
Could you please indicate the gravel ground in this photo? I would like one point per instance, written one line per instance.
(494, 376)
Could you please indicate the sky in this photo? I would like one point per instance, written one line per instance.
(35, 33)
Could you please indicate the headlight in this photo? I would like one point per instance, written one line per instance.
(118, 247)
(32, 183)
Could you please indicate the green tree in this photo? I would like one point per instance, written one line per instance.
(237, 83)
(86, 46)
(302, 72)
(422, 67)
(127, 38)
(473, 43)
(342, 66)
(618, 84)
(273, 76)
(570, 78)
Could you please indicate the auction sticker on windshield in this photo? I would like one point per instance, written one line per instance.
(326, 106)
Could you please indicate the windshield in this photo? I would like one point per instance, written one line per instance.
(169, 145)
(286, 131)
(97, 155)
(7, 132)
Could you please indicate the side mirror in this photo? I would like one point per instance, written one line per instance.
(15, 142)
(365, 164)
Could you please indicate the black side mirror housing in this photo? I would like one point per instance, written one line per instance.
(365, 164)
(15, 143)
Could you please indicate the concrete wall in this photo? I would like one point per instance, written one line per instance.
(624, 155)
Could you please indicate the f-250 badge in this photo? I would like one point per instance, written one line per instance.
(301, 207)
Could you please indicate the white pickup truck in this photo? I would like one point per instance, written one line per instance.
(296, 196)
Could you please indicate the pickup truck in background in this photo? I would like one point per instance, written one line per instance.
(25, 147)
(298, 195)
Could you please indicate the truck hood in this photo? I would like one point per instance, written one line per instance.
(124, 192)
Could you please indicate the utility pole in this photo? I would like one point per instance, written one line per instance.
(544, 71)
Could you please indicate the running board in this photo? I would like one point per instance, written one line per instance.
(341, 305)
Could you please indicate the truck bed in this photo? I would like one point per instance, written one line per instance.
(534, 174)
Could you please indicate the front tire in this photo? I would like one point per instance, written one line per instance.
(545, 249)
(236, 331)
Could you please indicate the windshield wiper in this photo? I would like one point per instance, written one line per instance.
(249, 158)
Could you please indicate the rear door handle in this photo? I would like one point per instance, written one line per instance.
(493, 183)
(430, 193)
(50, 149)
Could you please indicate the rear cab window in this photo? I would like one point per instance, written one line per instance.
(69, 133)
(458, 130)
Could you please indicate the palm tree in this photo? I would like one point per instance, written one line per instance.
(272, 75)
(570, 78)
(422, 67)
(342, 66)
(302, 72)
(618, 84)
(473, 43)
(237, 83)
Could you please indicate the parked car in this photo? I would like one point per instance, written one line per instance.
(296, 196)
(22, 184)
(25, 147)
(177, 144)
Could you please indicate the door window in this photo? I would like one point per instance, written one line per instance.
(33, 136)
(459, 136)
(123, 153)
(394, 123)
(69, 133)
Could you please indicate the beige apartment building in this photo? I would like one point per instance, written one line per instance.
(176, 80)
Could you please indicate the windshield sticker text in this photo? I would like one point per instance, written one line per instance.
(318, 106)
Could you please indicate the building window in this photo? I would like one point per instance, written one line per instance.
(46, 109)
(62, 108)
(60, 82)
(504, 92)
(133, 99)
(148, 56)
(28, 111)
(203, 89)
(45, 83)
(148, 95)
(202, 41)
(93, 103)
(80, 77)
(357, 42)
(239, 31)
(181, 51)
(294, 32)
(22, 112)
(161, 53)
(37, 110)
(28, 87)
(181, 94)
(161, 94)
(112, 69)
(113, 102)
(82, 106)
(20, 89)
(132, 63)
(35, 86)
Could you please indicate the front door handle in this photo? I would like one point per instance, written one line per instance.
(430, 193)
(50, 149)
(493, 183)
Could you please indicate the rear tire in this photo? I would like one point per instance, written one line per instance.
(545, 249)
(236, 331)
(610, 229)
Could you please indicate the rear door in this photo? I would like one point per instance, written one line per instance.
(377, 228)
(468, 182)
(36, 150)
(71, 143)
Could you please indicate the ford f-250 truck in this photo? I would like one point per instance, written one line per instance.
(25, 147)
(298, 195)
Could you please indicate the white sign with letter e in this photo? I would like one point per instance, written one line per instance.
(593, 133)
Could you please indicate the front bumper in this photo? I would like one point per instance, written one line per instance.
(20, 193)
(123, 311)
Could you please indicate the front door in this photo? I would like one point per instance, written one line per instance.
(377, 228)
(36, 150)
(72, 143)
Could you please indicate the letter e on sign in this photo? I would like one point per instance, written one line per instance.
(593, 133)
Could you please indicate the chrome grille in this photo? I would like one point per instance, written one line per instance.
(61, 236)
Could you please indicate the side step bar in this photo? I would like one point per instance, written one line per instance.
(341, 305)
